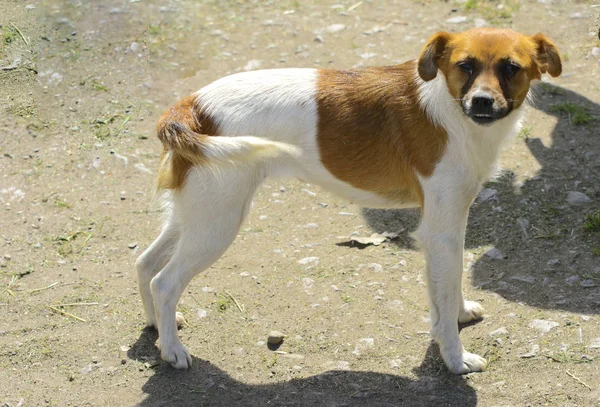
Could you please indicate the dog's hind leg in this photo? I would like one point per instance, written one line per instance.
(209, 211)
(151, 262)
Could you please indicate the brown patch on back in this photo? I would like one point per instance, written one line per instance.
(372, 132)
(181, 127)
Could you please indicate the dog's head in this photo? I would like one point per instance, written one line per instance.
(488, 70)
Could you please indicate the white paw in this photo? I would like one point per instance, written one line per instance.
(472, 311)
(180, 319)
(465, 363)
(177, 355)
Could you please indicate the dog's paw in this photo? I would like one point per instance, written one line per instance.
(472, 312)
(180, 319)
(176, 355)
(466, 363)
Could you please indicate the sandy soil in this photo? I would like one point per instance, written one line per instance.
(81, 86)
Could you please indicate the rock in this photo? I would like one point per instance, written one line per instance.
(480, 22)
(596, 52)
(595, 344)
(375, 267)
(318, 39)
(362, 345)
(524, 223)
(543, 325)
(202, 313)
(275, 337)
(309, 193)
(498, 332)
(457, 20)
(578, 198)
(132, 245)
(532, 353)
(335, 28)
(252, 65)
(487, 194)
(524, 278)
(572, 280)
(309, 261)
(307, 283)
(395, 363)
(494, 253)
(553, 262)
(135, 47)
(588, 283)
(310, 226)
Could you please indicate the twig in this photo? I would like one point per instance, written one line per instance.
(67, 314)
(578, 380)
(76, 304)
(43, 288)
(357, 5)
(20, 33)
(235, 301)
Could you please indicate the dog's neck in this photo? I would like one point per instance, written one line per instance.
(482, 144)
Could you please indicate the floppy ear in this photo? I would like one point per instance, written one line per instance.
(547, 56)
(431, 54)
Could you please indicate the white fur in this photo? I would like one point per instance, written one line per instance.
(278, 108)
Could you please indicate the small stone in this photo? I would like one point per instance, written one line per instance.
(532, 353)
(457, 20)
(141, 167)
(487, 194)
(202, 313)
(596, 52)
(310, 226)
(543, 325)
(309, 261)
(252, 65)
(524, 278)
(578, 198)
(588, 283)
(553, 262)
(480, 22)
(307, 283)
(572, 280)
(395, 363)
(132, 245)
(318, 39)
(494, 253)
(275, 337)
(363, 344)
(595, 344)
(135, 47)
(334, 28)
(309, 193)
(498, 332)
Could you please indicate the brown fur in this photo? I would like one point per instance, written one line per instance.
(182, 129)
(372, 132)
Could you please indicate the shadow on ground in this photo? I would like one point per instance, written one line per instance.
(551, 260)
(206, 385)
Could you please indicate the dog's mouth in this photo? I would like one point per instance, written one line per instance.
(482, 118)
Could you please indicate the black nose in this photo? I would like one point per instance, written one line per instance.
(482, 102)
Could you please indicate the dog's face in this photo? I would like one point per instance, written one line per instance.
(488, 70)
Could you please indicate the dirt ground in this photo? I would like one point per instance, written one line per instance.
(81, 87)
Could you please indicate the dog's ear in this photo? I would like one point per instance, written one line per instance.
(431, 54)
(547, 55)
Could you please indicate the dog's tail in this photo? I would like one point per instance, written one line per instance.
(191, 139)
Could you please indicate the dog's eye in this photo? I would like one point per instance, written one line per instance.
(466, 66)
(511, 69)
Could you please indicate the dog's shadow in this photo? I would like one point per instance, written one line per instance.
(207, 385)
(550, 259)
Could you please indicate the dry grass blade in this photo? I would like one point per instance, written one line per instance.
(67, 314)
(25, 40)
(43, 288)
(240, 307)
(578, 380)
(76, 304)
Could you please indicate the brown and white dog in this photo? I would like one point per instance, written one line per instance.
(425, 133)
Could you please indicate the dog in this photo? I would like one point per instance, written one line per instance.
(425, 133)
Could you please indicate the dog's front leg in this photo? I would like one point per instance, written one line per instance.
(441, 234)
